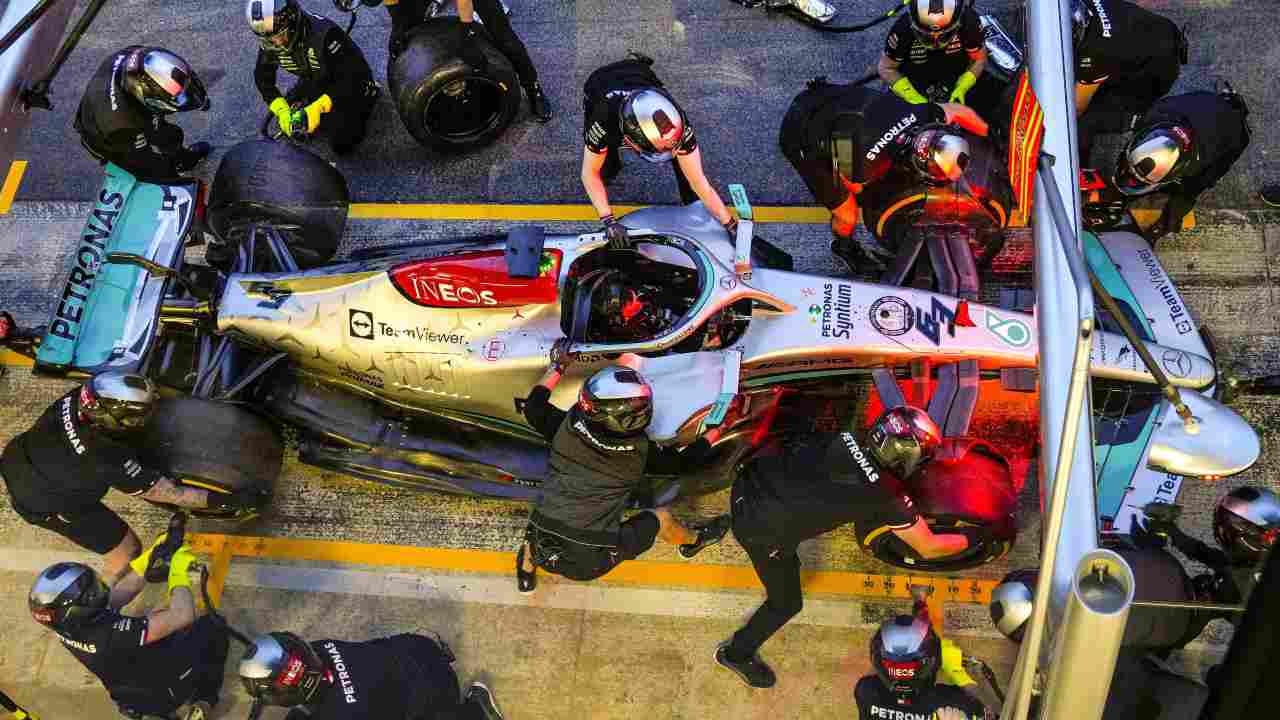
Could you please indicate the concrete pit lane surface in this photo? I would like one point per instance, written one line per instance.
(353, 560)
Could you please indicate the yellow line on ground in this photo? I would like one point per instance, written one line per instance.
(11, 183)
(10, 358)
(634, 573)
(548, 213)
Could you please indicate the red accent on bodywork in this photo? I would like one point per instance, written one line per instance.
(1091, 179)
(474, 280)
(202, 200)
(962, 315)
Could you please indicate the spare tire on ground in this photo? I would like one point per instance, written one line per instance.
(279, 184)
(445, 103)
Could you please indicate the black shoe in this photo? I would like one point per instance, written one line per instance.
(708, 535)
(1271, 194)
(539, 105)
(754, 672)
(199, 151)
(853, 255)
(481, 696)
(526, 580)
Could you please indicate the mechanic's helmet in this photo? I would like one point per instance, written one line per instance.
(66, 595)
(274, 21)
(1011, 603)
(1081, 15)
(281, 669)
(117, 401)
(163, 82)
(1247, 523)
(939, 155)
(1153, 158)
(652, 124)
(617, 399)
(907, 655)
(902, 439)
(937, 21)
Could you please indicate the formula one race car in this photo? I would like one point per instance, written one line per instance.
(408, 364)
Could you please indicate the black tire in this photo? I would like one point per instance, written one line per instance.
(443, 102)
(214, 446)
(278, 183)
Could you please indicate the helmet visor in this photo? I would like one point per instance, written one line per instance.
(1130, 180)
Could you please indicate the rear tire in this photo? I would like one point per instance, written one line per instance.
(214, 446)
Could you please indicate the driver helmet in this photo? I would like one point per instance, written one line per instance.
(1154, 158)
(281, 669)
(163, 82)
(939, 155)
(274, 21)
(1246, 524)
(902, 439)
(624, 306)
(652, 124)
(1011, 603)
(937, 21)
(907, 655)
(617, 399)
(67, 595)
(117, 401)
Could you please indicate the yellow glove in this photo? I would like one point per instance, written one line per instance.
(952, 671)
(905, 90)
(284, 115)
(964, 83)
(321, 106)
(139, 564)
(950, 713)
(180, 567)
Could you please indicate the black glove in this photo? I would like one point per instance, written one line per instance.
(469, 48)
(239, 501)
(617, 233)
(560, 357)
(732, 228)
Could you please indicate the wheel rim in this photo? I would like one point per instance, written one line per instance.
(465, 109)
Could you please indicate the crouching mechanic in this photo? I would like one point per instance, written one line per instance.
(403, 677)
(599, 458)
(625, 104)
(121, 115)
(812, 487)
(908, 657)
(165, 664)
(840, 138)
(335, 93)
(58, 471)
(936, 50)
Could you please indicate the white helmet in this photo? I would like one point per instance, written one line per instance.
(940, 155)
(1011, 603)
(652, 124)
(1155, 157)
(937, 20)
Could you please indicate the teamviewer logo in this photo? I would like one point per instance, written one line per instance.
(361, 324)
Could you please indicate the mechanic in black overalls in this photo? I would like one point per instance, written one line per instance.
(335, 93)
(17, 338)
(599, 458)
(58, 471)
(936, 50)
(817, 484)
(625, 104)
(882, 130)
(121, 115)
(403, 677)
(1183, 146)
(906, 655)
(166, 664)
(408, 14)
(1127, 57)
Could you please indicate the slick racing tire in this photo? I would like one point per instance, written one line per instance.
(279, 184)
(445, 103)
(213, 446)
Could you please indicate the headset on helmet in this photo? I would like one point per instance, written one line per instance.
(938, 20)
(67, 595)
(902, 439)
(273, 20)
(163, 82)
(281, 669)
(1011, 603)
(939, 154)
(1246, 524)
(618, 399)
(1153, 158)
(652, 124)
(117, 401)
(907, 655)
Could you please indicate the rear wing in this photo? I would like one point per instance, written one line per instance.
(106, 315)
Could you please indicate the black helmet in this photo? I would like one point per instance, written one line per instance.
(1246, 524)
(1082, 14)
(281, 669)
(939, 155)
(274, 21)
(902, 439)
(67, 595)
(163, 82)
(1012, 602)
(1154, 157)
(907, 655)
(652, 124)
(618, 399)
(937, 20)
(116, 401)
